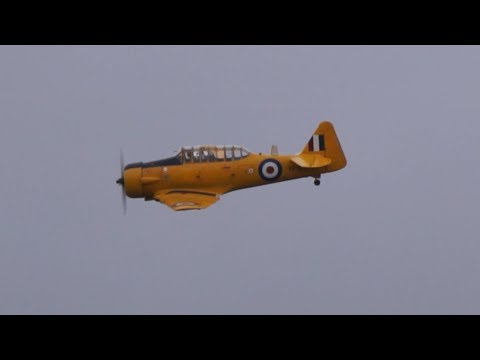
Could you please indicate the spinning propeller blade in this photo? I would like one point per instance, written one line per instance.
(121, 182)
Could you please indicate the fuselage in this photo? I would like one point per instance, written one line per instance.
(220, 176)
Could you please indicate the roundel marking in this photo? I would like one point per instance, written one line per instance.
(270, 169)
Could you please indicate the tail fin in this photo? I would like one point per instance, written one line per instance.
(324, 142)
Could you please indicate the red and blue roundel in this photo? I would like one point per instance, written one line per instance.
(270, 169)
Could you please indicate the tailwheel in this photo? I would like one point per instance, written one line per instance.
(316, 182)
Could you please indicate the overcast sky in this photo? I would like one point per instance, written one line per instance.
(395, 232)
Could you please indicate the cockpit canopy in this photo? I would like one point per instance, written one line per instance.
(211, 153)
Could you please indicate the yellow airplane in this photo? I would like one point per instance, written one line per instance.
(196, 177)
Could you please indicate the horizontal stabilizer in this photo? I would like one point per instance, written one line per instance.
(311, 161)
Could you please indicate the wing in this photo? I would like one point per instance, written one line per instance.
(179, 200)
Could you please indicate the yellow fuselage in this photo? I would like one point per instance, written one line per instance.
(217, 177)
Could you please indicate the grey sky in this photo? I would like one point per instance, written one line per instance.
(396, 231)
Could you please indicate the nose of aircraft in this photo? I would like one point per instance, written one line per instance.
(132, 181)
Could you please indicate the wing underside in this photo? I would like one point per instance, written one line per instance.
(179, 200)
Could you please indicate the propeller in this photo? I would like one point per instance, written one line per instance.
(121, 182)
